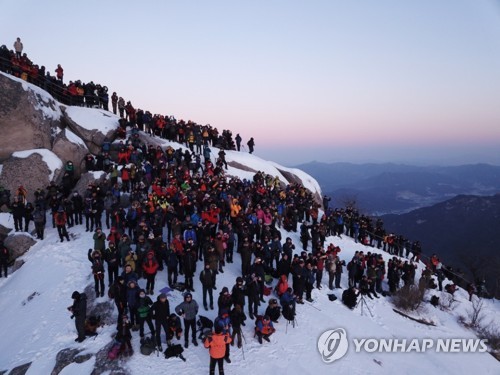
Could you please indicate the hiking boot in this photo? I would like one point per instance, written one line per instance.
(267, 339)
(260, 340)
(186, 344)
(211, 307)
(160, 348)
(239, 345)
(195, 343)
(206, 307)
(135, 327)
(102, 294)
(227, 359)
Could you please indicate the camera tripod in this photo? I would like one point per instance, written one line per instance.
(363, 302)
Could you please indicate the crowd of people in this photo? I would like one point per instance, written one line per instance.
(95, 95)
(167, 209)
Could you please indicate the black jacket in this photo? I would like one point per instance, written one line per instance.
(161, 310)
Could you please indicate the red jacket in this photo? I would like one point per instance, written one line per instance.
(150, 265)
(60, 218)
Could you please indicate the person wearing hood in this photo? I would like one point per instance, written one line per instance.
(188, 310)
(79, 313)
(161, 313)
(132, 296)
(60, 220)
(217, 343)
(98, 271)
(40, 219)
(225, 300)
(207, 282)
(144, 313)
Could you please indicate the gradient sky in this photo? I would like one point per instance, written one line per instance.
(400, 81)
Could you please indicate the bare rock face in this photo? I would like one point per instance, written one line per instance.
(20, 370)
(29, 116)
(18, 244)
(67, 148)
(31, 172)
(88, 178)
(93, 138)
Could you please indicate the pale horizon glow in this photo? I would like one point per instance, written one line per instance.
(386, 81)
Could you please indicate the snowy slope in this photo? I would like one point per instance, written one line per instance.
(93, 118)
(35, 325)
(35, 330)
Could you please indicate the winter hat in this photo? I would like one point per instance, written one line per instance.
(75, 295)
(188, 295)
(218, 329)
(239, 279)
(162, 296)
(224, 290)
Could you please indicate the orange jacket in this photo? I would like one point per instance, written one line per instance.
(217, 344)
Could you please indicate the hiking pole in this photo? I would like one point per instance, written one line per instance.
(310, 304)
(243, 351)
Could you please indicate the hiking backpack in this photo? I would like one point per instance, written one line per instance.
(147, 345)
(175, 351)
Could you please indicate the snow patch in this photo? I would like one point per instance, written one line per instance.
(51, 159)
(6, 220)
(93, 118)
(73, 138)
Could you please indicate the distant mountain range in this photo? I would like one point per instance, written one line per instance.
(395, 188)
(453, 211)
(464, 231)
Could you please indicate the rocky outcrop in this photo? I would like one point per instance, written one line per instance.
(18, 244)
(32, 172)
(29, 116)
(69, 147)
(64, 358)
(86, 179)
(83, 121)
(20, 370)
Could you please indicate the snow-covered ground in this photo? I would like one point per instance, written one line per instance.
(93, 118)
(36, 328)
(35, 324)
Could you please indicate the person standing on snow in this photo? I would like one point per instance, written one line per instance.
(216, 344)
(251, 144)
(79, 313)
(238, 141)
(188, 310)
